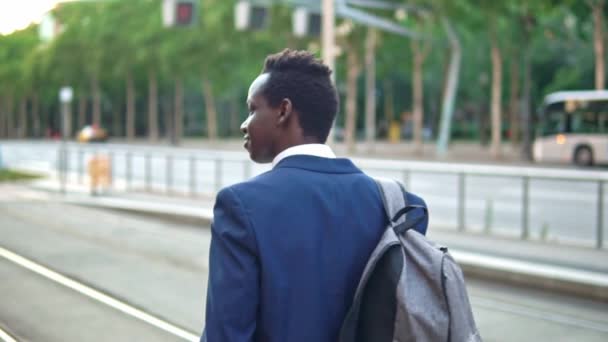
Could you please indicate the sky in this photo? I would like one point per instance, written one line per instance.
(18, 14)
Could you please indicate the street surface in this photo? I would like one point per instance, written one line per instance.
(161, 269)
(558, 211)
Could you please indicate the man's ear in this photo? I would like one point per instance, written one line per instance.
(286, 111)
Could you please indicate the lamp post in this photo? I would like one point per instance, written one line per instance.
(66, 95)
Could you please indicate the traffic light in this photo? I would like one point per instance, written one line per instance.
(185, 13)
(179, 13)
(250, 16)
(306, 23)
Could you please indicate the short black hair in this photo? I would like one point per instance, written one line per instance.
(306, 81)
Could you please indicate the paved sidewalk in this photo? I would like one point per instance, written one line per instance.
(578, 270)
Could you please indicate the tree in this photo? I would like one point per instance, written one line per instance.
(15, 86)
(350, 38)
(420, 51)
(371, 42)
(597, 9)
(495, 12)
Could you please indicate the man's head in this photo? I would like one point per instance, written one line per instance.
(292, 102)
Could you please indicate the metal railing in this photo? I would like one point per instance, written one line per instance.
(524, 174)
(200, 172)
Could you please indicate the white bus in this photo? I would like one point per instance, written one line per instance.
(573, 128)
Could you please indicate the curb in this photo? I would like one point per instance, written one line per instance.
(166, 212)
(593, 285)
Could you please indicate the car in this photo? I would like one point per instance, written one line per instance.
(92, 133)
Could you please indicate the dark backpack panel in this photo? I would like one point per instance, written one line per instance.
(378, 309)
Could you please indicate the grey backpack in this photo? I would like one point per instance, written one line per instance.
(411, 289)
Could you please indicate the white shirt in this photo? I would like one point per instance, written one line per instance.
(317, 150)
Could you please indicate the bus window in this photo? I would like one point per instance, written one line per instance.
(603, 126)
(555, 122)
(585, 122)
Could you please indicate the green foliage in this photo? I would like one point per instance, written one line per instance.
(109, 39)
(7, 175)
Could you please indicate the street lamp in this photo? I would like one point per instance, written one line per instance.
(66, 94)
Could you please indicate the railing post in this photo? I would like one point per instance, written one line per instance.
(600, 215)
(111, 171)
(461, 201)
(525, 192)
(148, 168)
(247, 169)
(80, 165)
(169, 172)
(406, 179)
(61, 166)
(192, 176)
(218, 174)
(128, 166)
(66, 165)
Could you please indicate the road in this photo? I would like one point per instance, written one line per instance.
(160, 268)
(558, 210)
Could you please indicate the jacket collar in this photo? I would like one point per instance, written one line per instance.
(318, 164)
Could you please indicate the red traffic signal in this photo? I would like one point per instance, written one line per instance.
(184, 13)
(179, 12)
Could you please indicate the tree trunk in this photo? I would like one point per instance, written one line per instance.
(526, 117)
(451, 86)
(10, 123)
(525, 105)
(234, 117)
(496, 98)
(152, 106)
(22, 122)
(82, 110)
(210, 109)
(514, 100)
(3, 133)
(96, 101)
(352, 74)
(418, 94)
(116, 124)
(389, 108)
(370, 88)
(178, 111)
(36, 115)
(130, 129)
(598, 43)
(2, 118)
(44, 121)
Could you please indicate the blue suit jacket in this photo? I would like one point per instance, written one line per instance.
(288, 248)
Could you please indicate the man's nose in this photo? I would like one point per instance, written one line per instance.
(245, 124)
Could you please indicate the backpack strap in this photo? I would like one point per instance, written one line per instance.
(394, 198)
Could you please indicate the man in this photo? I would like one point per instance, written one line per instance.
(288, 246)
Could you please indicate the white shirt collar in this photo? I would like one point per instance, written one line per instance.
(317, 150)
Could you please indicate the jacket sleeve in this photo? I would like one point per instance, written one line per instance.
(232, 292)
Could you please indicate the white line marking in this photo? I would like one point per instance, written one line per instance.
(4, 336)
(98, 296)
